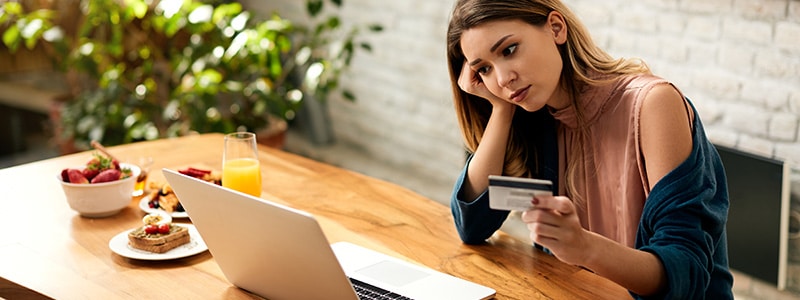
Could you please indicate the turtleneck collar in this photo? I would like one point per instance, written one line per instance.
(591, 100)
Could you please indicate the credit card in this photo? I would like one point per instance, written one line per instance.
(514, 193)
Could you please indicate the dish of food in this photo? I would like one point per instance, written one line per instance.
(119, 244)
(144, 205)
(163, 198)
(99, 188)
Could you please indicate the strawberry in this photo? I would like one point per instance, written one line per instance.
(151, 229)
(107, 175)
(76, 176)
(90, 173)
(64, 176)
(163, 228)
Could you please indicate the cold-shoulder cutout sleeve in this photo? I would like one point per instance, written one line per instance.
(683, 224)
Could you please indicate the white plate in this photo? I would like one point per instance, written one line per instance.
(196, 245)
(146, 208)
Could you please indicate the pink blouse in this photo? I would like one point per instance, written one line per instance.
(611, 177)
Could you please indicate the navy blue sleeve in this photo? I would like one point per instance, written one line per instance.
(683, 224)
(474, 220)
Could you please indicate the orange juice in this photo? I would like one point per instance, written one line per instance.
(242, 174)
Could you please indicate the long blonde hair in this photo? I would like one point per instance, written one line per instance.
(580, 57)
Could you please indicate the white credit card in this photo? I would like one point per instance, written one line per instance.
(514, 193)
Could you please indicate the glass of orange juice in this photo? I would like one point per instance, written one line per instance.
(240, 168)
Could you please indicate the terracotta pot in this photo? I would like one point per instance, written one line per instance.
(274, 135)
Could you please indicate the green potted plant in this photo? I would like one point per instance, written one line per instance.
(145, 70)
(323, 50)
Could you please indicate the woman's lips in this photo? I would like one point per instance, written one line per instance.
(520, 94)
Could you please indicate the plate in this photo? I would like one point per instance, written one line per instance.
(196, 245)
(146, 208)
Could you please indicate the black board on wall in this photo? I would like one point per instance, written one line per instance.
(758, 218)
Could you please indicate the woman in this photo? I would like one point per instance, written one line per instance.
(637, 182)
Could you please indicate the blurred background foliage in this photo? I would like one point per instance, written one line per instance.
(142, 70)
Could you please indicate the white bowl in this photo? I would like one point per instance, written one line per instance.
(97, 200)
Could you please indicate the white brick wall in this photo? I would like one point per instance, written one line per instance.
(783, 127)
(794, 11)
(794, 102)
(742, 55)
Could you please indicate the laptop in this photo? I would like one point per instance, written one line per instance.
(278, 252)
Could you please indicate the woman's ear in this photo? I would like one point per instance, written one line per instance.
(558, 26)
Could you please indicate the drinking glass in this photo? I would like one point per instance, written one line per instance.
(141, 180)
(240, 167)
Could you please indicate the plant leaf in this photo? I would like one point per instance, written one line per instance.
(333, 22)
(138, 7)
(314, 7)
(11, 38)
(172, 26)
(226, 10)
(347, 94)
(13, 8)
(43, 14)
(30, 43)
(201, 14)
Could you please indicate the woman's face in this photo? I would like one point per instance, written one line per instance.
(518, 62)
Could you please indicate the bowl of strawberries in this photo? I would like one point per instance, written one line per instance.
(101, 188)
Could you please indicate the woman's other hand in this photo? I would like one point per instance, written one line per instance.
(490, 155)
(553, 223)
(470, 82)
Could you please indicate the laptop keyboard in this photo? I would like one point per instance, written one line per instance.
(366, 291)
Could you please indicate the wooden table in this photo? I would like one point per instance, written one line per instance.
(49, 249)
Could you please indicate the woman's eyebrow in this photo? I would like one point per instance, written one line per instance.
(475, 62)
(492, 49)
(500, 41)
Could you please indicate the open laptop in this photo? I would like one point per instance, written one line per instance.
(278, 252)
